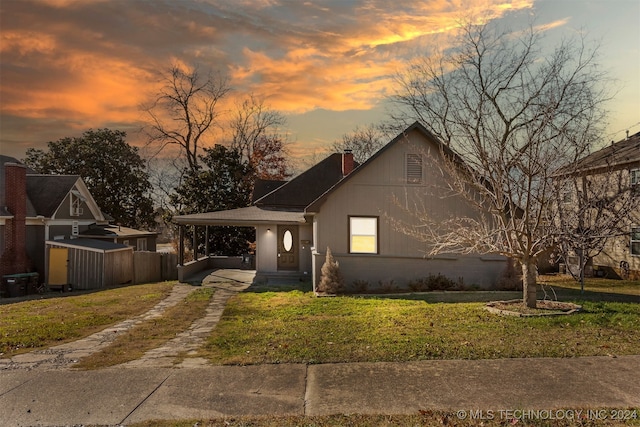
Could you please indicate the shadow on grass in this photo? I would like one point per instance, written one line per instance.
(547, 292)
(284, 287)
(565, 294)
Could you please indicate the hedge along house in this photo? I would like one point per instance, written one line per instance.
(345, 206)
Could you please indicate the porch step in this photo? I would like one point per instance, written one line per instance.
(282, 278)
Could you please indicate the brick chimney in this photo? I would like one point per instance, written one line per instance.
(347, 162)
(14, 259)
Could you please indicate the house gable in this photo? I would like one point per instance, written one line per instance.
(62, 197)
(380, 188)
(428, 144)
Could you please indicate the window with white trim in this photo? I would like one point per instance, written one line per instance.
(635, 176)
(141, 244)
(76, 203)
(635, 241)
(75, 229)
(363, 235)
(413, 168)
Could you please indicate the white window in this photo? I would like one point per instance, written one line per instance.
(414, 168)
(76, 203)
(141, 244)
(635, 241)
(75, 229)
(635, 176)
(363, 235)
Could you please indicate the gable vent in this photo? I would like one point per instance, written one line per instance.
(414, 168)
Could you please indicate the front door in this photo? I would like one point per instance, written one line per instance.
(58, 266)
(287, 247)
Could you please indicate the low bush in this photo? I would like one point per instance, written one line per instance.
(436, 282)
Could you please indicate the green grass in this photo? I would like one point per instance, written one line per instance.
(297, 327)
(30, 325)
(423, 418)
(593, 286)
(151, 333)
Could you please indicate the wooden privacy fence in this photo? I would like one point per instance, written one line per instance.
(154, 267)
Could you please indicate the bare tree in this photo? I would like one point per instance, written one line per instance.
(515, 111)
(364, 142)
(185, 111)
(253, 122)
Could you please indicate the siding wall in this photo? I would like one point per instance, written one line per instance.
(371, 192)
(36, 248)
(267, 248)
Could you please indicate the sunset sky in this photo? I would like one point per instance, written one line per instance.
(70, 65)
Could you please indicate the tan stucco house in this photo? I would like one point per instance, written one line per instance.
(621, 254)
(345, 206)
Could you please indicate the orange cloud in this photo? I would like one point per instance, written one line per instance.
(91, 64)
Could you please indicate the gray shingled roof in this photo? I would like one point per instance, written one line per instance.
(306, 187)
(242, 217)
(262, 187)
(620, 153)
(47, 192)
(100, 245)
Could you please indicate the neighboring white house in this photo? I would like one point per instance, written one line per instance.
(343, 206)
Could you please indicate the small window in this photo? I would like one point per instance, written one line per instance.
(635, 241)
(141, 244)
(76, 203)
(287, 241)
(414, 169)
(75, 229)
(363, 235)
(635, 176)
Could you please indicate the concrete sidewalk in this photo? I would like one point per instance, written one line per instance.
(122, 396)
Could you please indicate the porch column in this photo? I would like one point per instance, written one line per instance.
(181, 245)
(195, 243)
(206, 241)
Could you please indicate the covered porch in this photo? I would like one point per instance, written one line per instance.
(283, 243)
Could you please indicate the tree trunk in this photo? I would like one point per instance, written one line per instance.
(529, 287)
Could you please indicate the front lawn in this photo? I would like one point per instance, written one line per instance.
(297, 327)
(29, 325)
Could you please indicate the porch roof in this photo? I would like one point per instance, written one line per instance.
(250, 216)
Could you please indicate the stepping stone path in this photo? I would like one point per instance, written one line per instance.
(64, 356)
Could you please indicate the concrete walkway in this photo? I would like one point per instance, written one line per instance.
(122, 396)
(37, 389)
